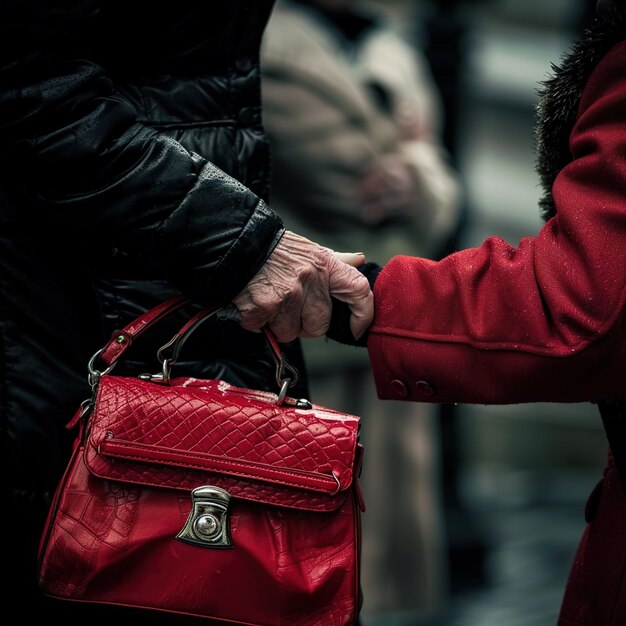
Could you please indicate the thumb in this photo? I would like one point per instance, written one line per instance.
(356, 259)
(350, 286)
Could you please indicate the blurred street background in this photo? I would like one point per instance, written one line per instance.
(522, 474)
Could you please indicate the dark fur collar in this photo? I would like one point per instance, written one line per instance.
(560, 96)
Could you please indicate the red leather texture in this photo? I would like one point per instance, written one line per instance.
(174, 435)
(294, 514)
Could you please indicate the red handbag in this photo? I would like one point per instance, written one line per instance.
(198, 498)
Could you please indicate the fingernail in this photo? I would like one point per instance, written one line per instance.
(358, 253)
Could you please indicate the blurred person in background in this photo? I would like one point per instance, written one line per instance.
(353, 119)
(544, 321)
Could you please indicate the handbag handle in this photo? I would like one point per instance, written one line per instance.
(121, 340)
(286, 375)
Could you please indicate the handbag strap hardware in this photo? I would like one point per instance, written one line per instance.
(298, 403)
(94, 374)
(282, 394)
(121, 340)
(286, 375)
(93, 378)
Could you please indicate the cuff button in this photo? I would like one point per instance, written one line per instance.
(424, 388)
(399, 388)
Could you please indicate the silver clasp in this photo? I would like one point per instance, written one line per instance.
(207, 524)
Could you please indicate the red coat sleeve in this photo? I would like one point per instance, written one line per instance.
(543, 321)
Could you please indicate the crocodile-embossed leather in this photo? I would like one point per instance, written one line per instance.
(277, 448)
(294, 514)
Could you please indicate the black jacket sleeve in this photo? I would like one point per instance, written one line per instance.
(77, 158)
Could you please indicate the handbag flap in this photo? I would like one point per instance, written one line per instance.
(206, 432)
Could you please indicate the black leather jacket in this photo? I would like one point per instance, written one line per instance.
(133, 165)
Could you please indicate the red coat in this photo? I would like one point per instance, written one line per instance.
(544, 321)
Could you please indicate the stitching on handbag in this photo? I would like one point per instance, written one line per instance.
(195, 466)
(330, 503)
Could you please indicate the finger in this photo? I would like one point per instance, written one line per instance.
(252, 318)
(350, 286)
(362, 315)
(355, 259)
(284, 331)
(287, 323)
(316, 312)
(229, 312)
(256, 306)
(253, 323)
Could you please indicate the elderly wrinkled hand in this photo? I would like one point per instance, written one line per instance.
(292, 292)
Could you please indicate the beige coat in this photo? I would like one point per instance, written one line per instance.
(325, 129)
